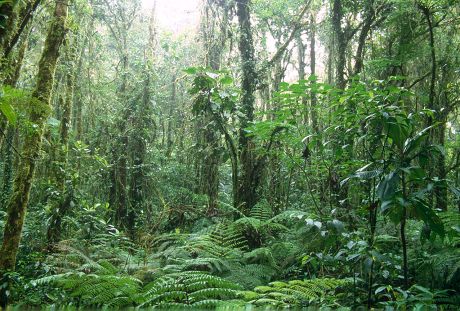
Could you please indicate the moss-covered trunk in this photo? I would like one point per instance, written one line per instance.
(214, 26)
(32, 142)
(249, 180)
(8, 18)
(63, 205)
(341, 43)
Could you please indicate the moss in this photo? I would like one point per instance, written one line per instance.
(17, 206)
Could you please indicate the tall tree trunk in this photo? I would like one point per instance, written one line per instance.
(77, 118)
(247, 195)
(16, 63)
(172, 104)
(11, 68)
(341, 43)
(7, 165)
(26, 14)
(437, 135)
(138, 142)
(63, 205)
(369, 20)
(41, 95)
(120, 153)
(138, 147)
(208, 136)
(300, 55)
(314, 114)
(121, 179)
(8, 19)
(11, 80)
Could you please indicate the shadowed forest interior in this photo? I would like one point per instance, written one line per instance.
(230, 154)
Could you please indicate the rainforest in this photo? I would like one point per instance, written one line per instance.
(230, 154)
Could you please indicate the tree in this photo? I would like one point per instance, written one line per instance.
(247, 195)
(40, 100)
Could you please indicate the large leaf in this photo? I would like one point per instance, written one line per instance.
(362, 175)
(387, 188)
(226, 80)
(414, 172)
(413, 143)
(191, 70)
(397, 131)
(455, 191)
(424, 212)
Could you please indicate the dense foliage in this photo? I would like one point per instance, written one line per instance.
(278, 154)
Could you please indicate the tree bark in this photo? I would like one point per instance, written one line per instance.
(214, 38)
(77, 118)
(437, 135)
(300, 56)
(314, 114)
(64, 203)
(8, 19)
(15, 64)
(247, 195)
(369, 20)
(172, 104)
(11, 131)
(26, 15)
(7, 165)
(341, 43)
(17, 205)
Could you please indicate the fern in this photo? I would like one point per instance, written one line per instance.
(188, 289)
(96, 290)
(261, 211)
(258, 231)
(210, 264)
(294, 293)
(441, 265)
(252, 275)
(451, 222)
(226, 237)
(166, 241)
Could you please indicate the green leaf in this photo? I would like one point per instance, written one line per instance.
(337, 225)
(362, 175)
(455, 191)
(397, 131)
(423, 211)
(191, 70)
(8, 112)
(414, 172)
(411, 144)
(226, 80)
(386, 189)
(386, 205)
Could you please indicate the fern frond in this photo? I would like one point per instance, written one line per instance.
(97, 290)
(261, 211)
(192, 288)
(296, 292)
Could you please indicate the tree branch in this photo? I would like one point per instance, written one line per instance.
(282, 48)
(27, 17)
